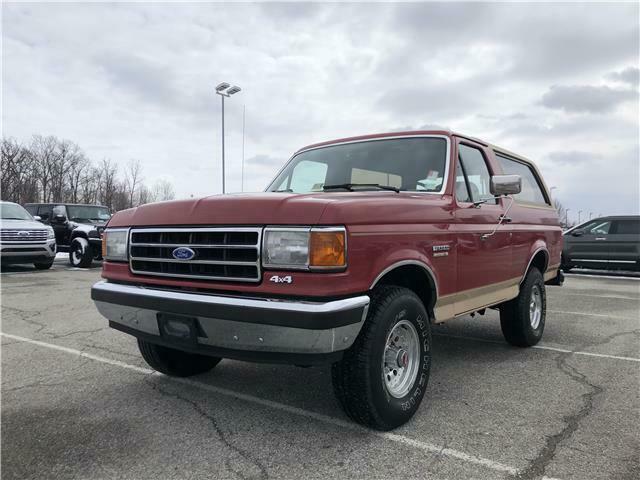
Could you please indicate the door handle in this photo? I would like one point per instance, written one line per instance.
(600, 238)
(504, 219)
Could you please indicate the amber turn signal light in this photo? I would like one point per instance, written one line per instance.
(327, 249)
(104, 245)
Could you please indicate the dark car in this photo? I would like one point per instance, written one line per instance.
(78, 228)
(611, 243)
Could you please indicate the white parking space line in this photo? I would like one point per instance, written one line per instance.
(589, 314)
(612, 277)
(621, 297)
(542, 347)
(417, 444)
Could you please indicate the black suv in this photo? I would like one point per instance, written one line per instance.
(611, 243)
(78, 228)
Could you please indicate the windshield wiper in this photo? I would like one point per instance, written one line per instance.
(349, 186)
(286, 190)
(14, 218)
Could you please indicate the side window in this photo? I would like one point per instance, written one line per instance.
(476, 173)
(626, 227)
(598, 228)
(308, 176)
(44, 211)
(462, 192)
(32, 209)
(531, 185)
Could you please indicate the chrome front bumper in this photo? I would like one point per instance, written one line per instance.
(236, 324)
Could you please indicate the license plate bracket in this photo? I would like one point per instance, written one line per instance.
(178, 328)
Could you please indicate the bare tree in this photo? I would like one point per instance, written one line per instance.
(133, 178)
(163, 190)
(50, 170)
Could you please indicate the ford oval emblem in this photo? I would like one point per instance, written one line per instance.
(183, 253)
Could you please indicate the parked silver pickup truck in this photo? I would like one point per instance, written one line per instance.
(23, 239)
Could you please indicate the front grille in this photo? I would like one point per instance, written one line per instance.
(23, 236)
(231, 254)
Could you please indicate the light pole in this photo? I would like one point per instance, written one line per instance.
(579, 212)
(551, 190)
(225, 90)
(590, 215)
(566, 217)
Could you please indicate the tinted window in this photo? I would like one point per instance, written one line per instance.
(32, 209)
(476, 173)
(416, 164)
(531, 187)
(627, 227)
(599, 227)
(59, 210)
(44, 211)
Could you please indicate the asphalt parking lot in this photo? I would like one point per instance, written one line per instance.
(79, 402)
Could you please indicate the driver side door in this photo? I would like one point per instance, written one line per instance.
(590, 249)
(61, 229)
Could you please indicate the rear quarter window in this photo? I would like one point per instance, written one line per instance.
(532, 191)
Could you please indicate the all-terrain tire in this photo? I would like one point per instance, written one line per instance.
(175, 363)
(521, 320)
(360, 378)
(80, 253)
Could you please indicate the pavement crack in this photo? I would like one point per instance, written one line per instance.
(537, 467)
(63, 335)
(26, 317)
(261, 469)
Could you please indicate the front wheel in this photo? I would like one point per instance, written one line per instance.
(382, 378)
(43, 265)
(80, 253)
(522, 319)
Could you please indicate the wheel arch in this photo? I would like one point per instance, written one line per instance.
(415, 275)
(539, 259)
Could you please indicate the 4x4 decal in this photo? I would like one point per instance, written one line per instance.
(277, 279)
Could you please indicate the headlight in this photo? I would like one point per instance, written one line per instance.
(93, 234)
(50, 233)
(114, 244)
(305, 248)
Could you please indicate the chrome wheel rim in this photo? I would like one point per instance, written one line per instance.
(77, 253)
(400, 360)
(535, 307)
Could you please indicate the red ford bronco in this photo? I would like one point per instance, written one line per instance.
(348, 257)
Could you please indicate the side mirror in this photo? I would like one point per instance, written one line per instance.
(505, 185)
(37, 218)
(59, 218)
(577, 233)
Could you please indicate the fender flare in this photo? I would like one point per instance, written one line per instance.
(427, 269)
(538, 249)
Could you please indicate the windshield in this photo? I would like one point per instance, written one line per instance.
(88, 212)
(12, 211)
(413, 164)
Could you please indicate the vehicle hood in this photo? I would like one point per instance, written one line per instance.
(277, 209)
(87, 227)
(23, 224)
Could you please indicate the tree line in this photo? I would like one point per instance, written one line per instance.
(50, 170)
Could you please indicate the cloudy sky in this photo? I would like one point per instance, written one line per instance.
(556, 83)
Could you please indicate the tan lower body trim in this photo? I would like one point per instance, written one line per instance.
(451, 306)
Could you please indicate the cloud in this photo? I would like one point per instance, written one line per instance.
(573, 158)
(630, 75)
(141, 85)
(586, 98)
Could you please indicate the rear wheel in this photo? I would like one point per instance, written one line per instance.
(522, 319)
(175, 363)
(382, 378)
(80, 253)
